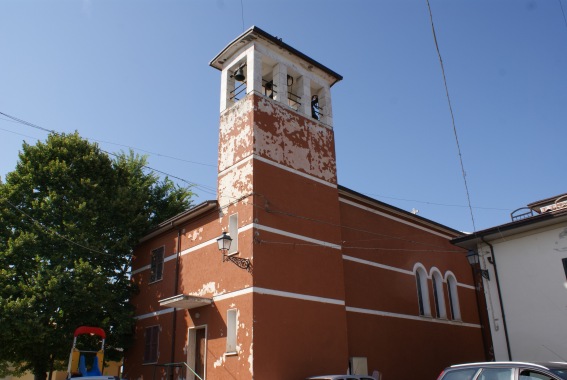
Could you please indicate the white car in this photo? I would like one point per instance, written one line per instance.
(506, 371)
(341, 377)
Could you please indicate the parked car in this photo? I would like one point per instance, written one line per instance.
(341, 377)
(506, 371)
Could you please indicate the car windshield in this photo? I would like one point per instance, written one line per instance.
(562, 373)
(460, 374)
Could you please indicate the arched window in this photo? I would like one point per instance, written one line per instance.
(453, 297)
(438, 295)
(422, 291)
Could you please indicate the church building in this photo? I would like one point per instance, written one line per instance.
(287, 274)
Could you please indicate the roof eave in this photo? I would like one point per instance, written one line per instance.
(399, 211)
(505, 230)
(255, 30)
(181, 218)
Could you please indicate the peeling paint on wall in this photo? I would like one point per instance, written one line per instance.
(195, 234)
(235, 136)
(251, 360)
(219, 362)
(206, 289)
(290, 139)
(263, 127)
(235, 183)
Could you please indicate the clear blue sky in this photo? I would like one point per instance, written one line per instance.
(135, 73)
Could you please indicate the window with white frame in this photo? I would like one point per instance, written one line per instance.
(453, 298)
(422, 292)
(233, 232)
(156, 265)
(438, 295)
(151, 344)
(231, 331)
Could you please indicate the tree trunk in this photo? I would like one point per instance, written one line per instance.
(39, 374)
(51, 360)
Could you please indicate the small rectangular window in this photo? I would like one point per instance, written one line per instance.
(565, 266)
(233, 232)
(231, 331)
(151, 344)
(156, 266)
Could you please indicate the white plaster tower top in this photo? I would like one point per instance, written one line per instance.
(261, 63)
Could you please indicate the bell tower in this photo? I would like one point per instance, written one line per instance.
(277, 189)
(292, 91)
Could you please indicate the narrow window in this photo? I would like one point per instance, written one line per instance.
(233, 232)
(156, 267)
(151, 344)
(439, 295)
(231, 331)
(453, 298)
(422, 292)
(419, 293)
(435, 295)
(565, 266)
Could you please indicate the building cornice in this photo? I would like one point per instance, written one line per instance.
(255, 32)
(397, 212)
(509, 229)
(181, 218)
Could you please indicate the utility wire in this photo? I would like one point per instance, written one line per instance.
(452, 115)
(319, 221)
(154, 153)
(435, 203)
(19, 134)
(206, 189)
(361, 248)
(563, 12)
(16, 120)
(52, 231)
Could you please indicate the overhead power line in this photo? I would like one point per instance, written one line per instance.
(17, 120)
(436, 203)
(52, 231)
(204, 188)
(452, 116)
(563, 12)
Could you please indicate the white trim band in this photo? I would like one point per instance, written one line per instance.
(373, 264)
(394, 269)
(306, 297)
(295, 171)
(154, 314)
(296, 236)
(412, 317)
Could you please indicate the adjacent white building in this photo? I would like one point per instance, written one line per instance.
(523, 270)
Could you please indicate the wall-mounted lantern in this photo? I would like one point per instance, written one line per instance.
(474, 261)
(224, 242)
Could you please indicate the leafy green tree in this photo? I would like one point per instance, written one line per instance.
(69, 218)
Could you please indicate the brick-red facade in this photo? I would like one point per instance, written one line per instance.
(333, 271)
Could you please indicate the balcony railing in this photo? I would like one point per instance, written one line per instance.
(521, 213)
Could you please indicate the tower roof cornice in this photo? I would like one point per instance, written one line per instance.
(254, 33)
